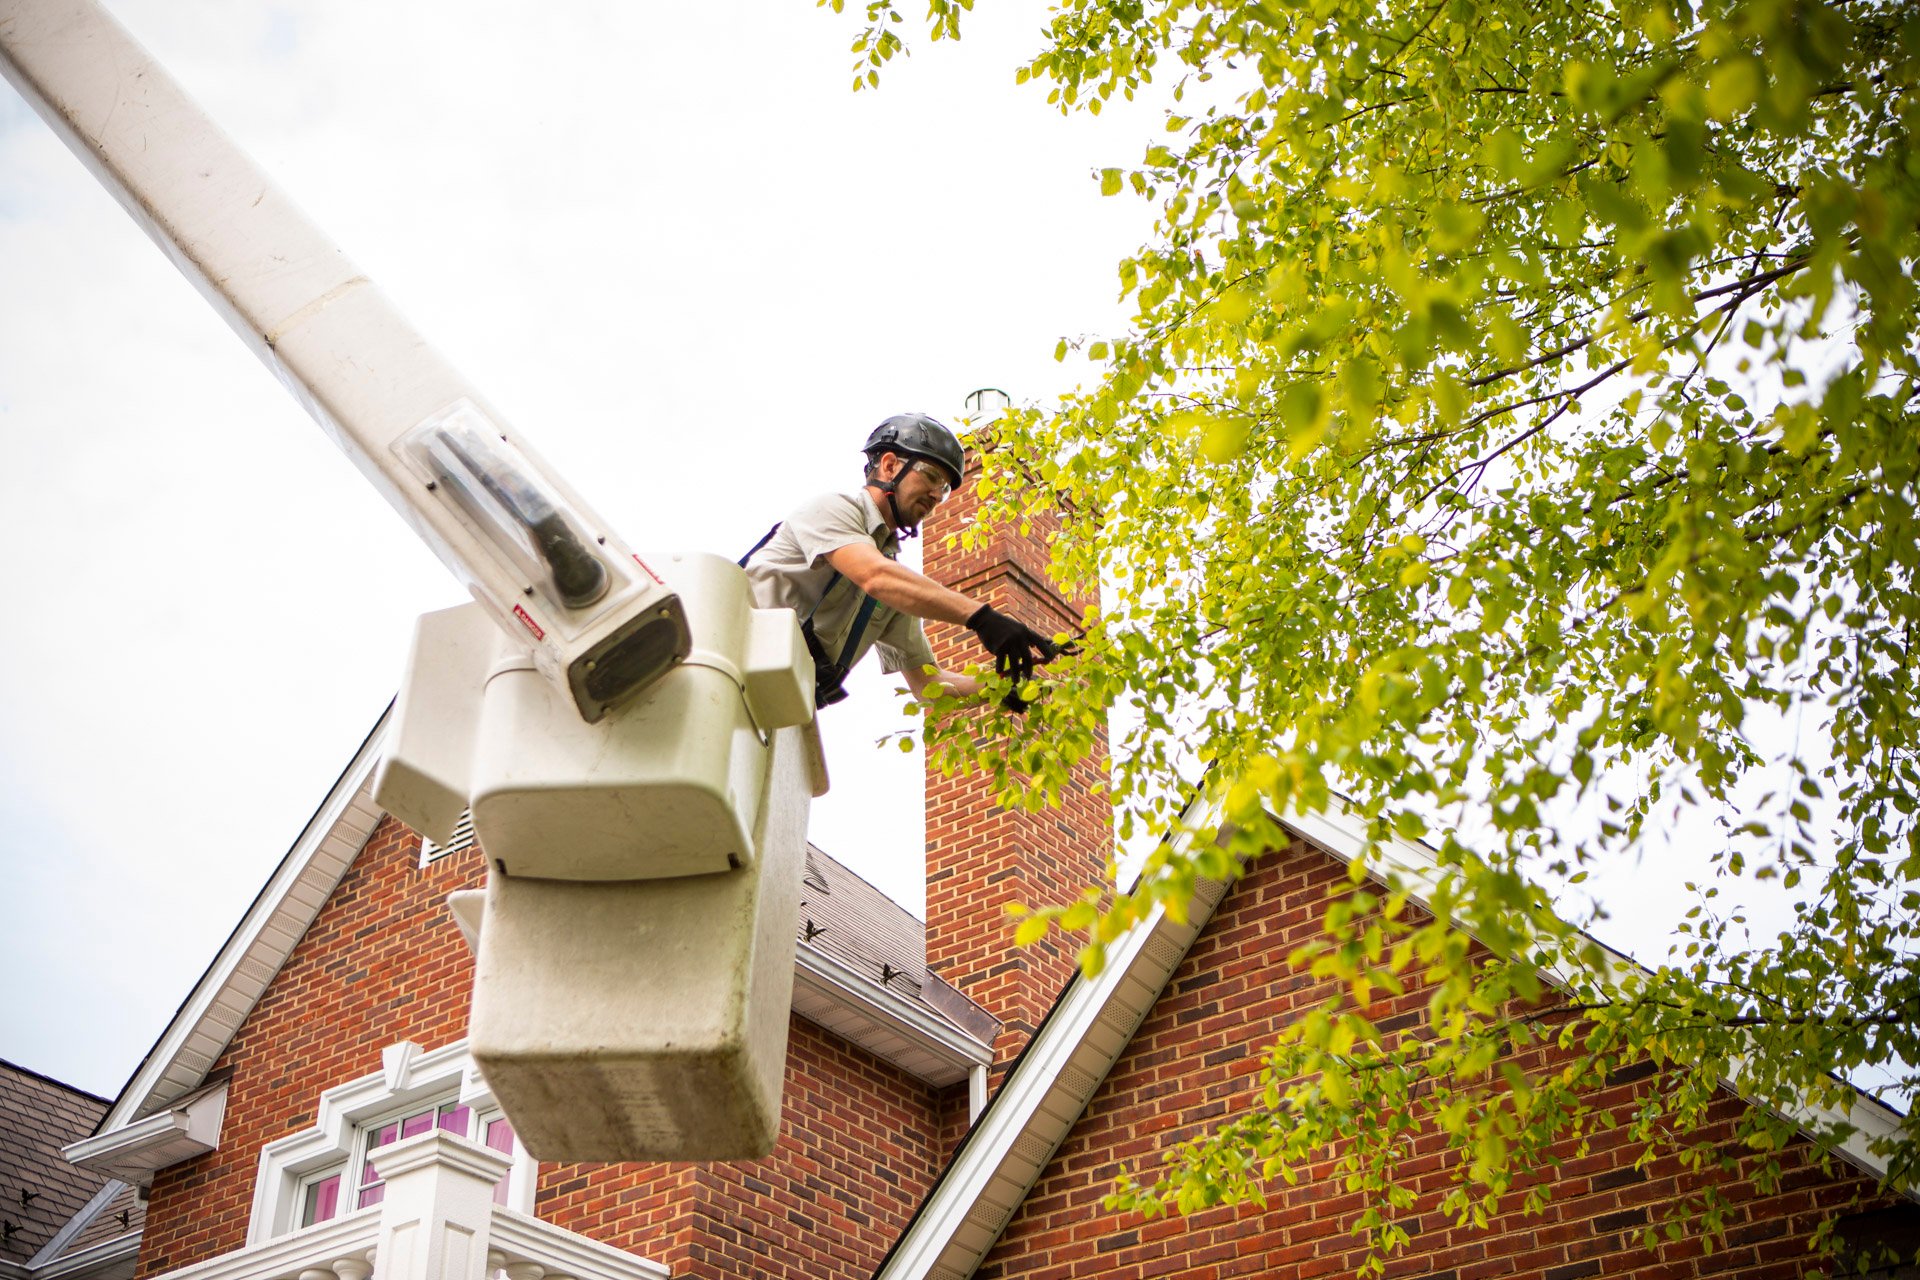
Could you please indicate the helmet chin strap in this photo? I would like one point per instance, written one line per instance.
(901, 529)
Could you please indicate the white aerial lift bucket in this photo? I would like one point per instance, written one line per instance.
(634, 958)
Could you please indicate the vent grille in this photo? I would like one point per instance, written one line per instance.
(461, 839)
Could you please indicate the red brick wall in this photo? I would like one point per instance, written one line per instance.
(383, 962)
(980, 858)
(1196, 1059)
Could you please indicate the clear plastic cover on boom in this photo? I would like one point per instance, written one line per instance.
(510, 504)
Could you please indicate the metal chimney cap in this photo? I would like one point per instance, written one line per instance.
(987, 400)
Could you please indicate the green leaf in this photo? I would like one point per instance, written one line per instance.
(1734, 88)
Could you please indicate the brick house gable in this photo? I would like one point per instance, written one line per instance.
(1137, 1076)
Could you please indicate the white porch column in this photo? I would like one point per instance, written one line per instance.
(438, 1207)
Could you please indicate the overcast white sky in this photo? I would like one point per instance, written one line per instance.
(666, 240)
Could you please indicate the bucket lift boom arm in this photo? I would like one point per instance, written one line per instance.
(600, 623)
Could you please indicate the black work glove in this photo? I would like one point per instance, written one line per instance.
(1016, 647)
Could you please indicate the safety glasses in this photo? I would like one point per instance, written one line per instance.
(934, 472)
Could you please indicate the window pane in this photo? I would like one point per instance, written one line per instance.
(455, 1119)
(373, 1195)
(412, 1126)
(499, 1136)
(322, 1201)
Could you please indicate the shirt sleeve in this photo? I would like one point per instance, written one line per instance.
(903, 645)
(827, 524)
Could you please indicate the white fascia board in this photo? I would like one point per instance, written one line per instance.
(1870, 1118)
(844, 985)
(1051, 1079)
(224, 996)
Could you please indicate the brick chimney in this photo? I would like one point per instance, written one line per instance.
(980, 857)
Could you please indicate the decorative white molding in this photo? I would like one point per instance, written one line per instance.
(395, 1062)
(347, 1239)
(519, 1237)
(468, 907)
(345, 1249)
(409, 1075)
(439, 1150)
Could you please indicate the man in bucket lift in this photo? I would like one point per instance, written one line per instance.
(833, 562)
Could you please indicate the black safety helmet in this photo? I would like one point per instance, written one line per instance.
(918, 436)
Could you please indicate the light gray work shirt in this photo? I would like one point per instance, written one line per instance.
(791, 571)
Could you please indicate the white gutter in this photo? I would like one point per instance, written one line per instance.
(844, 985)
(135, 1152)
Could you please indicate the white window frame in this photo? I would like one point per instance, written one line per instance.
(410, 1077)
(306, 1182)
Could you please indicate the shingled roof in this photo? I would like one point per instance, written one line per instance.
(844, 916)
(49, 1209)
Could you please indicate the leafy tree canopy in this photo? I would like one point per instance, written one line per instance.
(1516, 420)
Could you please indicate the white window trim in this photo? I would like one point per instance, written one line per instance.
(306, 1182)
(409, 1076)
